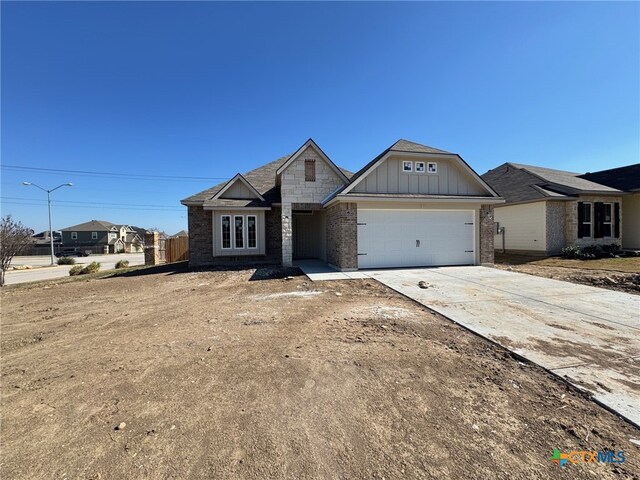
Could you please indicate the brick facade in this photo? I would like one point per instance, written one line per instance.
(200, 237)
(571, 222)
(342, 236)
(554, 213)
(487, 231)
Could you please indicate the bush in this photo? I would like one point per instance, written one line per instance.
(77, 270)
(93, 267)
(66, 261)
(122, 264)
(591, 252)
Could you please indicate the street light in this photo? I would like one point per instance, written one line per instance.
(49, 203)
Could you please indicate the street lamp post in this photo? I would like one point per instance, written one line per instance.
(49, 204)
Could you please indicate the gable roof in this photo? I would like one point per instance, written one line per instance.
(314, 145)
(623, 178)
(404, 146)
(238, 178)
(516, 182)
(91, 226)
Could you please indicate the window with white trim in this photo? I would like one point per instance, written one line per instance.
(584, 219)
(225, 221)
(252, 231)
(238, 231)
(94, 235)
(113, 236)
(432, 167)
(74, 235)
(407, 166)
(607, 220)
(420, 167)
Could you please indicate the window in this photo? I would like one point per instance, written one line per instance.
(432, 167)
(584, 220)
(226, 231)
(113, 236)
(74, 235)
(607, 220)
(419, 167)
(252, 231)
(94, 235)
(309, 170)
(407, 166)
(238, 225)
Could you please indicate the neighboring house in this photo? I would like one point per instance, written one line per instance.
(412, 205)
(181, 233)
(97, 233)
(626, 179)
(547, 210)
(43, 238)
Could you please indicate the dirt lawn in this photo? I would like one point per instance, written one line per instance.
(621, 274)
(223, 375)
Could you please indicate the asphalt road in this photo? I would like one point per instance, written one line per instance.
(46, 272)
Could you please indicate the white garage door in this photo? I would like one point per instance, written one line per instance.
(415, 238)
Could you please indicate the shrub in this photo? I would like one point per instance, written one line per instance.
(122, 264)
(77, 270)
(93, 267)
(591, 252)
(66, 261)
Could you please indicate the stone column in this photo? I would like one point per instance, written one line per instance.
(287, 235)
(152, 248)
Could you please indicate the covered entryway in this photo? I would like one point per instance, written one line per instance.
(412, 238)
(309, 234)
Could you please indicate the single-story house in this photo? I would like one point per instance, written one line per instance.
(626, 179)
(412, 205)
(547, 210)
(99, 233)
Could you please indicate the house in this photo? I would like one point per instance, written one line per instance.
(44, 238)
(181, 233)
(547, 210)
(412, 205)
(102, 236)
(626, 179)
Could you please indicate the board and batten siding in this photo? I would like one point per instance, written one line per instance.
(525, 227)
(217, 234)
(631, 221)
(450, 179)
(238, 190)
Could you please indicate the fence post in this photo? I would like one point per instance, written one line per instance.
(152, 248)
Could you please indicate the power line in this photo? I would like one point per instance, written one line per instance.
(87, 207)
(91, 203)
(130, 176)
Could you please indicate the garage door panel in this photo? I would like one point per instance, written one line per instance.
(387, 238)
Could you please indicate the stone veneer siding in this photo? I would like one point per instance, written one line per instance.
(487, 231)
(554, 212)
(571, 222)
(200, 237)
(342, 236)
(294, 189)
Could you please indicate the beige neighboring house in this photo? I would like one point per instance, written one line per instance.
(412, 205)
(547, 210)
(626, 179)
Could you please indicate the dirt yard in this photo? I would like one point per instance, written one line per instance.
(229, 375)
(622, 274)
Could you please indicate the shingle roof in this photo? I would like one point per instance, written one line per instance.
(623, 178)
(263, 180)
(563, 178)
(525, 183)
(403, 145)
(91, 226)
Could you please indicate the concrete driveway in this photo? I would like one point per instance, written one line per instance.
(589, 335)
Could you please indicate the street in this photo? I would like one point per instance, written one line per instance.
(45, 272)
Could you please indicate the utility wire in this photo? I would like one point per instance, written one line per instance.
(90, 203)
(131, 176)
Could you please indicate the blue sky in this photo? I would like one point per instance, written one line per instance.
(210, 89)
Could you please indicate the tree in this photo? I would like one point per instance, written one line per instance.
(14, 238)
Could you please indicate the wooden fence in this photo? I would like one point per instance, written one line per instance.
(176, 249)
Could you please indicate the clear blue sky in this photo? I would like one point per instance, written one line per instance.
(210, 89)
